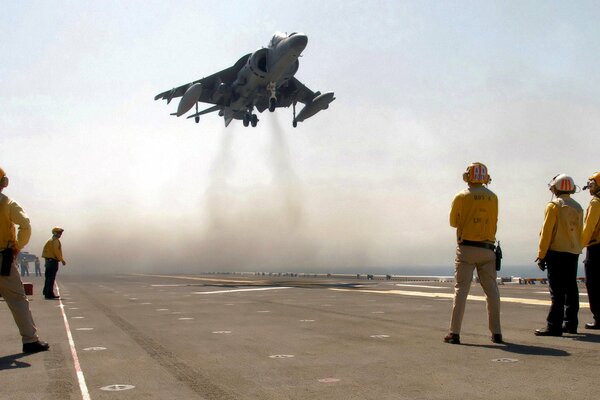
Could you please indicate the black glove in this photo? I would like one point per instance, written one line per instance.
(541, 264)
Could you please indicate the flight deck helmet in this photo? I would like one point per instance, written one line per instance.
(57, 229)
(477, 173)
(3, 179)
(593, 183)
(562, 183)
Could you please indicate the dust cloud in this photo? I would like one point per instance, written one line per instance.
(260, 228)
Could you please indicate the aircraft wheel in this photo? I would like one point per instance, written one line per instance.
(272, 104)
(294, 123)
(197, 119)
(246, 120)
(254, 120)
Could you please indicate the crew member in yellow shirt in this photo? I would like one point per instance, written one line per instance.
(559, 249)
(474, 214)
(52, 253)
(11, 286)
(590, 239)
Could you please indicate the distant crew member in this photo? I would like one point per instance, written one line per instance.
(38, 270)
(559, 249)
(53, 254)
(11, 286)
(474, 214)
(590, 238)
(24, 267)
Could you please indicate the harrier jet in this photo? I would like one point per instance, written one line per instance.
(257, 81)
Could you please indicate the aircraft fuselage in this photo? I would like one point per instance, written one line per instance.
(266, 70)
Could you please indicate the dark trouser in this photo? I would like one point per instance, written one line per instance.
(51, 270)
(592, 279)
(562, 281)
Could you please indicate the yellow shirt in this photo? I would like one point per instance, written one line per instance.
(53, 249)
(474, 214)
(591, 225)
(12, 214)
(563, 223)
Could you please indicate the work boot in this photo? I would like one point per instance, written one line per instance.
(547, 332)
(570, 329)
(35, 347)
(592, 325)
(452, 338)
(497, 338)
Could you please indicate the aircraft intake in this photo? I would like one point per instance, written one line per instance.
(319, 103)
(189, 98)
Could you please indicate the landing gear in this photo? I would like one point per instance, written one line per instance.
(294, 122)
(250, 119)
(197, 119)
(272, 88)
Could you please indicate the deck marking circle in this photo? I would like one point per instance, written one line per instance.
(282, 356)
(380, 336)
(222, 332)
(328, 380)
(96, 348)
(84, 329)
(505, 360)
(117, 388)
(185, 318)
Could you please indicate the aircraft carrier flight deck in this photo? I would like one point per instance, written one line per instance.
(287, 337)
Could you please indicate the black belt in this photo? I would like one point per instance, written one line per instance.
(483, 245)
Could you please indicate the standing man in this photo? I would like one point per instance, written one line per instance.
(53, 254)
(11, 286)
(559, 249)
(24, 267)
(590, 238)
(474, 214)
(38, 271)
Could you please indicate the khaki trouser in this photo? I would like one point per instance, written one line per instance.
(11, 288)
(468, 259)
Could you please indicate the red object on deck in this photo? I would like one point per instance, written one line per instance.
(28, 288)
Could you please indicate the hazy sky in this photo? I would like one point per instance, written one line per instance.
(423, 89)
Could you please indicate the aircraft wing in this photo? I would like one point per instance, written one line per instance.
(209, 83)
(298, 91)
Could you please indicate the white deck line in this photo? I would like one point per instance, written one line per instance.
(243, 290)
(85, 395)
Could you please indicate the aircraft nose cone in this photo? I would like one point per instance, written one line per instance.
(298, 42)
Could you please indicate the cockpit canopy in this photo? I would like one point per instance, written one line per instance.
(277, 37)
